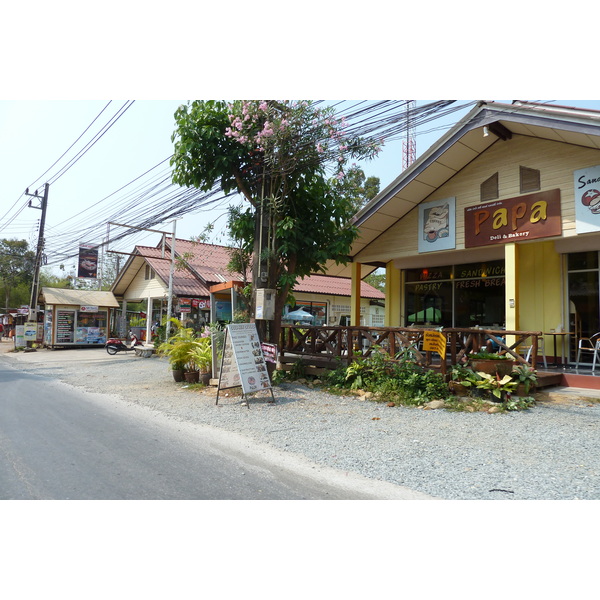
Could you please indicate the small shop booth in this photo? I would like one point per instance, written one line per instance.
(76, 318)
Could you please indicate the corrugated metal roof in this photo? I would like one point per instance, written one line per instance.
(78, 297)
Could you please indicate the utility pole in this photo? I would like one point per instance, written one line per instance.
(40, 250)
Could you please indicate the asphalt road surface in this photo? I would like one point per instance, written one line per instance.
(58, 442)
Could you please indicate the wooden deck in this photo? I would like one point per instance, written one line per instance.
(325, 348)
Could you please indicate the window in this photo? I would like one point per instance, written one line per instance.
(530, 180)
(150, 273)
(489, 188)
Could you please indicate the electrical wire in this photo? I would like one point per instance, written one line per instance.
(157, 200)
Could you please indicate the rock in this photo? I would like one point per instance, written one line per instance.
(368, 395)
(317, 382)
(391, 404)
(495, 409)
(301, 380)
(434, 404)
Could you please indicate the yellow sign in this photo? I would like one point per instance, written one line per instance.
(434, 341)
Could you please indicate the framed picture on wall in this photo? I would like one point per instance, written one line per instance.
(437, 225)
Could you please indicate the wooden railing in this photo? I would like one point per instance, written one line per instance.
(327, 346)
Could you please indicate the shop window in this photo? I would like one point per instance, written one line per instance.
(489, 188)
(460, 296)
(150, 273)
(530, 180)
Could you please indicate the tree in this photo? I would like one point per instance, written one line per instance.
(359, 188)
(16, 270)
(287, 159)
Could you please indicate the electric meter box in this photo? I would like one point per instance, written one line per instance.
(265, 304)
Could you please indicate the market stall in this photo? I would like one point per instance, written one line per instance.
(76, 317)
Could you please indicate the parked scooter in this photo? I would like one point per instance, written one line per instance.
(114, 345)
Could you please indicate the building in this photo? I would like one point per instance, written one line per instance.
(75, 318)
(496, 225)
(200, 267)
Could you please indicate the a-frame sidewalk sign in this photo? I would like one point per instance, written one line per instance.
(243, 363)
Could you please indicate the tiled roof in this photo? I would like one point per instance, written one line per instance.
(336, 286)
(210, 261)
(184, 282)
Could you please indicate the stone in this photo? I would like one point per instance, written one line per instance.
(435, 404)
(391, 404)
(494, 409)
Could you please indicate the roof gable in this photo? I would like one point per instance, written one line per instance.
(460, 146)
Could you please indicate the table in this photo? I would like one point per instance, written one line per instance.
(556, 334)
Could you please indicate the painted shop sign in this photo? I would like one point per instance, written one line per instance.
(587, 199)
(527, 217)
(437, 225)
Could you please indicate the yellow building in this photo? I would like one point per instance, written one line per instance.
(496, 225)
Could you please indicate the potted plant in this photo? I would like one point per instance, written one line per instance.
(499, 387)
(461, 379)
(491, 363)
(177, 349)
(200, 359)
(526, 378)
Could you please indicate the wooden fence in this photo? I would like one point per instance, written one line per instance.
(332, 346)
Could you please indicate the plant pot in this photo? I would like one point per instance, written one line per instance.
(205, 378)
(458, 389)
(493, 367)
(192, 376)
(520, 391)
(178, 374)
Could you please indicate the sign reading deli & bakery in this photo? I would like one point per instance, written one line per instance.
(514, 219)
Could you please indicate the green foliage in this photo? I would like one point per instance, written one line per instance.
(526, 375)
(297, 370)
(402, 382)
(377, 279)
(276, 154)
(17, 263)
(200, 355)
(178, 347)
(496, 385)
(489, 356)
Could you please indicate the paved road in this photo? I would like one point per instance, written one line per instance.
(57, 442)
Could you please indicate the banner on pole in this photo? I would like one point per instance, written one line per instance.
(88, 261)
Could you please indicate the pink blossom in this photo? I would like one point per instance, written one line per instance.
(263, 106)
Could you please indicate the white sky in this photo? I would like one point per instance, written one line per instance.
(59, 75)
(35, 133)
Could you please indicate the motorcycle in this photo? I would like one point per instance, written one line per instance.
(114, 345)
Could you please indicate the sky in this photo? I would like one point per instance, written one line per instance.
(35, 134)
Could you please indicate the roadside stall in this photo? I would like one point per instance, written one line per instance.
(76, 318)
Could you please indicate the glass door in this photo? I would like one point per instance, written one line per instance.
(584, 297)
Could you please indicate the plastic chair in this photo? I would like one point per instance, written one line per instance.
(591, 344)
(527, 350)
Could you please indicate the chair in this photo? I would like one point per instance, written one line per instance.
(591, 344)
(528, 349)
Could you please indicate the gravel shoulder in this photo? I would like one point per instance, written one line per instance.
(551, 452)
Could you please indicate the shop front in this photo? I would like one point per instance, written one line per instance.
(495, 226)
(76, 317)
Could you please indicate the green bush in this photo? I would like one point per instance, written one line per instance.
(402, 382)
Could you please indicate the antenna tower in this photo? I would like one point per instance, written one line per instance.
(409, 145)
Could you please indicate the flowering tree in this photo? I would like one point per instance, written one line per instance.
(288, 160)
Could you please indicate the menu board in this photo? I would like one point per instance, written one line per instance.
(65, 326)
(243, 361)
